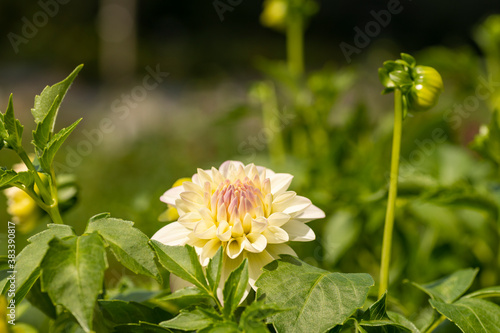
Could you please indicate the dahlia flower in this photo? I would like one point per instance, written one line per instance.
(246, 209)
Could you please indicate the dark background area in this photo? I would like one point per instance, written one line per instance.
(189, 38)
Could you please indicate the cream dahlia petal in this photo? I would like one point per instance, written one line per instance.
(265, 172)
(217, 176)
(251, 171)
(276, 249)
(278, 219)
(257, 242)
(189, 220)
(280, 182)
(224, 231)
(235, 247)
(247, 223)
(310, 213)
(297, 205)
(171, 195)
(298, 231)
(172, 234)
(192, 198)
(275, 235)
(229, 167)
(182, 206)
(255, 263)
(259, 224)
(205, 230)
(209, 250)
(237, 230)
(222, 212)
(192, 187)
(204, 176)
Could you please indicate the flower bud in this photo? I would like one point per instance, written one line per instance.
(426, 88)
(274, 14)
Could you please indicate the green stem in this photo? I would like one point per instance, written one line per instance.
(49, 197)
(393, 189)
(38, 181)
(436, 324)
(35, 197)
(294, 44)
(54, 207)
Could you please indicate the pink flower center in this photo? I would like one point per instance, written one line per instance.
(237, 199)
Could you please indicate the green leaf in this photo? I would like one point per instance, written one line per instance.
(65, 323)
(224, 327)
(41, 300)
(46, 100)
(376, 316)
(214, 269)
(392, 65)
(129, 245)
(471, 314)
(384, 325)
(142, 327)
(400, 78)
(403, 321)
(184, 294)
(252, 318)
(377, 311)
(28, 261)
(73, 274)
(234, 288)
(121, 312)
(450, 288)
(486, 292)
(53, 146)
(44, 129)
(320, 299)
(383, 76)
(181, 261)
(13, 127)
(193, 320)
(408, 59)
(9, 178)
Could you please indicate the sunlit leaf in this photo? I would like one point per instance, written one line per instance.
(319, 300)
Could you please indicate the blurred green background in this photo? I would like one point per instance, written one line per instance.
(228, 81)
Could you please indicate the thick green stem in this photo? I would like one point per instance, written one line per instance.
(393, 192)
(294, 44)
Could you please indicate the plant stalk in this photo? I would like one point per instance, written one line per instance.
(49, 196)
(295, 44)
(38, 181)
(393, 189)
(436, 324)
(54, 207)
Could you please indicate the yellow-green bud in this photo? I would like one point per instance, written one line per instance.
(427, 86)
(274, 14)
